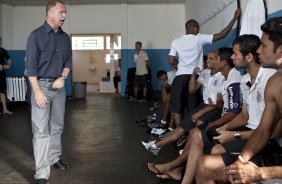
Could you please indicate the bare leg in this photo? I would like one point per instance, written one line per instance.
(171, 122)
(3, 100)
(136, 91)
(210, 168)
(196, 150)
(165, 111)
(170, 137)
(217, 149)
(145, 92)
(177, 118)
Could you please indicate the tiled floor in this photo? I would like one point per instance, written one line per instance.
(101, 141)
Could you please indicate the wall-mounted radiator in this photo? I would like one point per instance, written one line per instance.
(16, 88)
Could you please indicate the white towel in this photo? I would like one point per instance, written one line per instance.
(253, 18)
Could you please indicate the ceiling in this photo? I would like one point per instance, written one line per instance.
(44, 2)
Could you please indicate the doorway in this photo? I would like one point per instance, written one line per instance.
(95, 60)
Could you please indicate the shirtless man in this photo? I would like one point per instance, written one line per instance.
(270, 54)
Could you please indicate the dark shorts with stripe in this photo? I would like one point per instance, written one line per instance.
(207, 137)
(269, 156)
(187, 124)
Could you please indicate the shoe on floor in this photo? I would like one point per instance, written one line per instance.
(148, 143)
(142, 100)
(151, 147)
(158, 131)
(40, 181)
(132, 99)
(61, 165)
(153, 150)
(163, 126)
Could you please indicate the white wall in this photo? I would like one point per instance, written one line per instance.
(8, 27)
(26, 19)
(1, 18)
(274, 5)
(154, 25)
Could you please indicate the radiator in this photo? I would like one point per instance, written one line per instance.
(16, 88)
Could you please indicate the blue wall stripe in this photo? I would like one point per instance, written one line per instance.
(17, 69)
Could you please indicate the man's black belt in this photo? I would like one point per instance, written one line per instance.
(47, 79)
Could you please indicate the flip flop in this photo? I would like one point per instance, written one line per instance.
(152, 168)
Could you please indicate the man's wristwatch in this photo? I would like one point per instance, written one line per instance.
(63, 77)
(237, 135)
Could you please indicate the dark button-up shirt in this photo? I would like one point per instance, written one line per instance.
(47, 52)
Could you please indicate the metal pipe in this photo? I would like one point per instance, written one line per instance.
(239, 20)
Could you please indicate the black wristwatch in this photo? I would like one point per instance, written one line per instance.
(237, 135)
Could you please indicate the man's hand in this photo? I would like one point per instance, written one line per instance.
(224, 136)
(237, 13)
(222, 128)
(58, 83)
(243, 171)
(6, 67)
(211, 104)
(196, 71)
(196, 116)
(40, 99)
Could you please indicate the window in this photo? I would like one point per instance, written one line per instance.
(87, 43)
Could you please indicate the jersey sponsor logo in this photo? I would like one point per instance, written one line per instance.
(215, 82)
(259, 96)
(231, 94)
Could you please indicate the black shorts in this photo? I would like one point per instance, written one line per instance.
(187, 124)
(180, 98)
(140, 80)
(207, 137)
(233, 150)
(3, 83)
(211, 116)
(230, 157)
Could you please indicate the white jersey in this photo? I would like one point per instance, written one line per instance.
(189, 49)
(140, 60)
(215, 84)
(203, 79)
(253, 95)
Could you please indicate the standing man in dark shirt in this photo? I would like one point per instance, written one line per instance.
(48, 63)
(4, 56)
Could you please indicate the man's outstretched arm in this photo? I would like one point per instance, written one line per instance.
(228, 28)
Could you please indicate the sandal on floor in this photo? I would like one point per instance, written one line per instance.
(152, 168)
